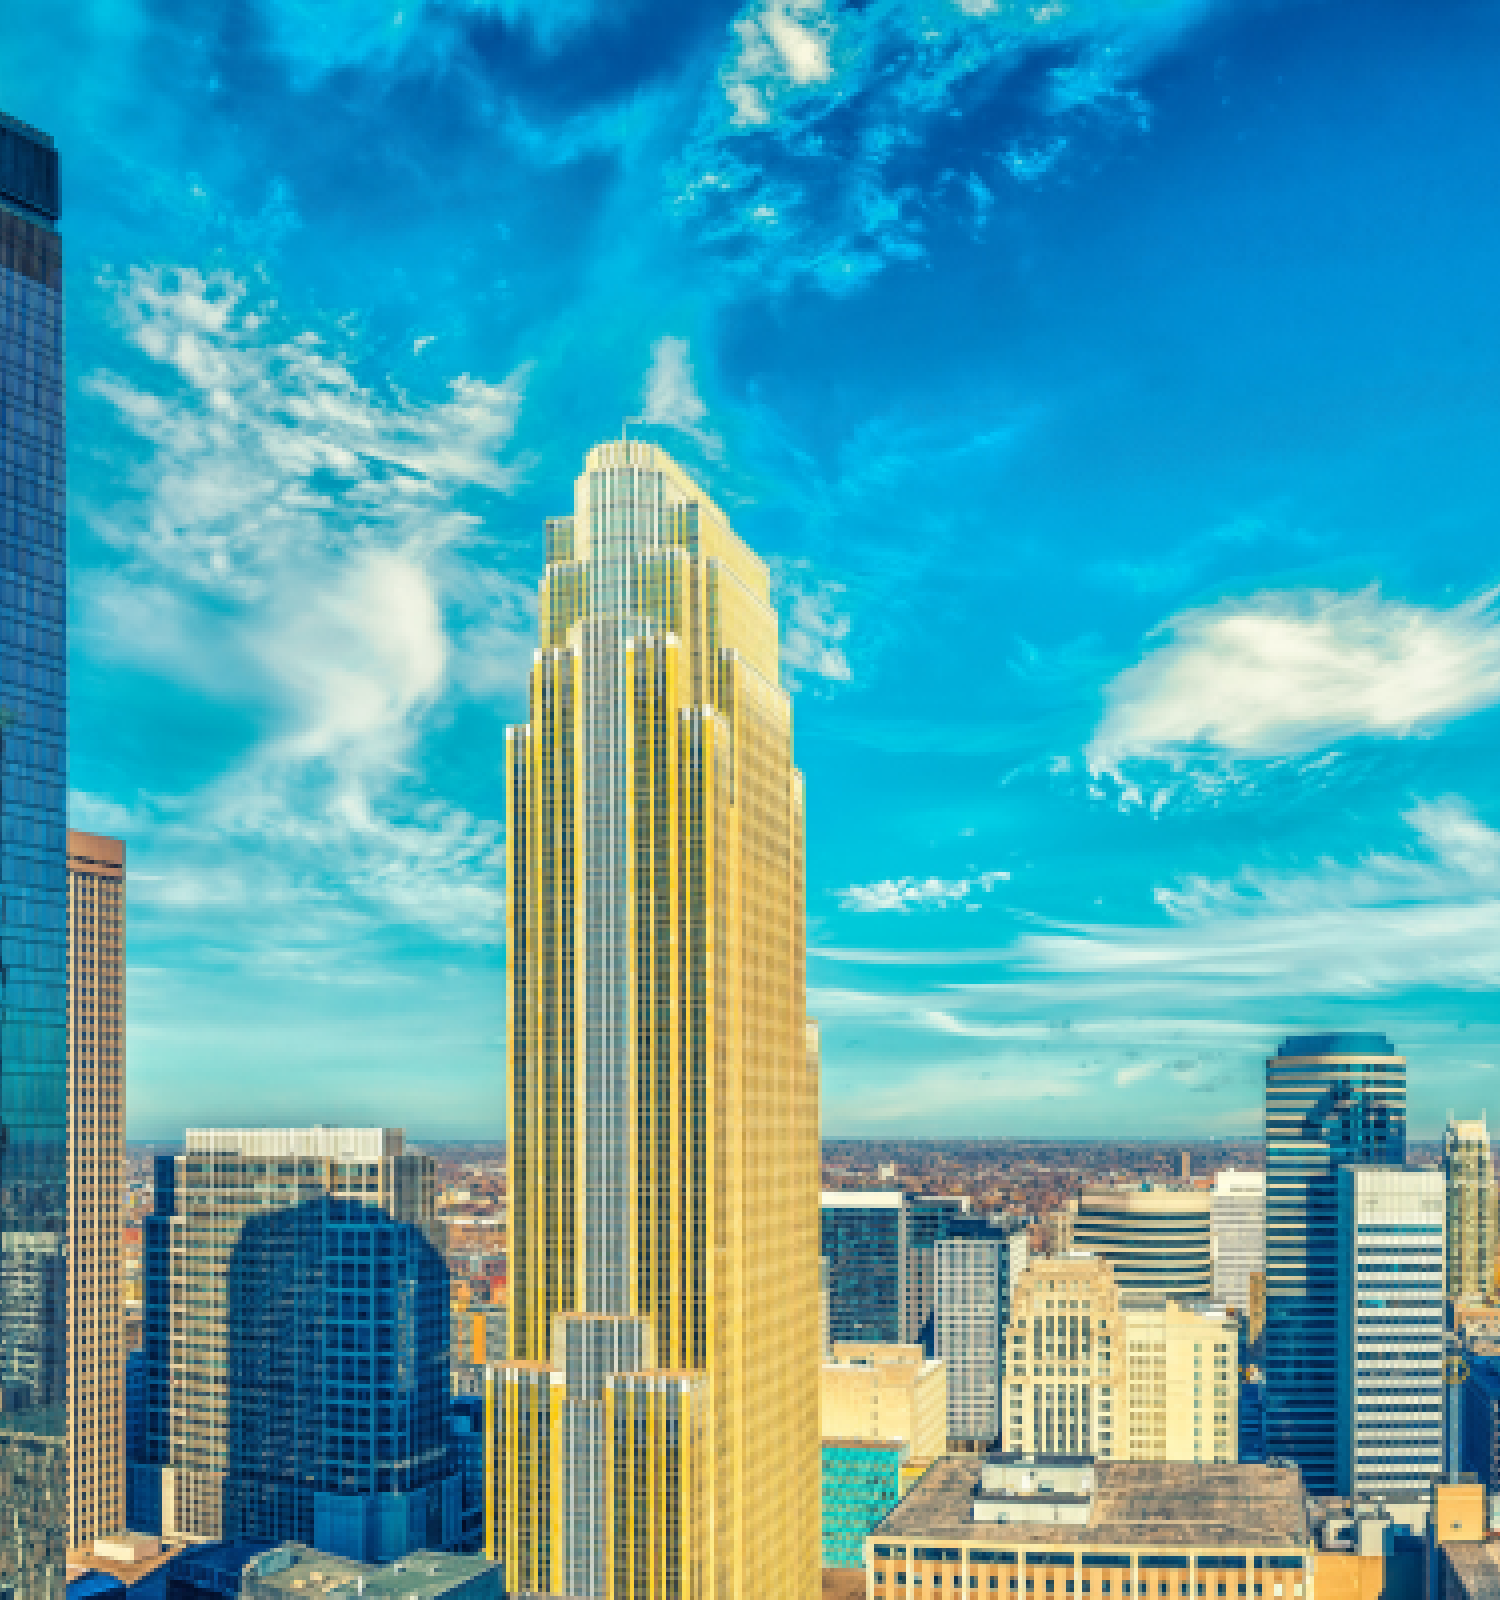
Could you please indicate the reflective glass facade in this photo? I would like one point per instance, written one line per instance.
(1332, 1100)
(865, 1245)
(33, 876)
(861, 1483)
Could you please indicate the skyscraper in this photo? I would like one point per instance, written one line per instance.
(33, 876)
(1391, 1394)
(863, 1239)
(1156, 1240)
(307, 1370)
(657, 1432)
(96, 1181)
(975, 1270)
(1332, 1100)
(928, 1219)
(1237, 1234)
(1471, 1230)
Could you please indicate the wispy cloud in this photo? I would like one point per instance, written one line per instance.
(670, 398)
(816, 623)
(1288, 673)
(295, 548)
(808, 162)
(912, 894)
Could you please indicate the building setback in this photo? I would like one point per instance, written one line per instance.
(306, 1380)
(1332, 1100)
(1391, 1392)
(96, 1182)
(656, 1429)
(33, 874)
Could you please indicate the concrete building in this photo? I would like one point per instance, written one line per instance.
(864, 1241)
(33, 873)
(975, 1272)
(1015, 1526)
(861, 1484)
(655, 1429)
(1095, 1373)
(891, 1392)
(96, 1183)
(1237, 1235)
(1469, 1168)
(305, 1382)
(1332, 1100)
(1157, 1240)
(229, 1569)
(1391, 1349)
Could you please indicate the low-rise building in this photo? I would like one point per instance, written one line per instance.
(1015, 1526)
(886, 1391)
(861, 1485)
(240, 1570)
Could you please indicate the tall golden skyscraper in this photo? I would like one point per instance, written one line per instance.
(96, 1179)
(656, 1433)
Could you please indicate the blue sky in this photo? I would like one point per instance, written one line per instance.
(1112, 385)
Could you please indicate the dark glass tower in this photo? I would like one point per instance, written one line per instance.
(1332, 1100)
(33, 877)
(864, 1244)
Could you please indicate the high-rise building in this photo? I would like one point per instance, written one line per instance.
(1156, 1240)
(863, 1238)
(928, 1219)
(1470, 1170)
(656, 1430)
(975, 1271)
(1095, 1372)
(96, 1183)
(1237, 1234)
(1391, 1332)
(33, 875)
(1332, 1100)
(306, 1372)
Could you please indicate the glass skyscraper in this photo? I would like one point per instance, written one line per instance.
(1332, 1100)
(656, 1433)
(33, 877)
(864, 1241)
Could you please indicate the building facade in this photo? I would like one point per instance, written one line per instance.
(33, 874)
(974, 1275)
(861, 1484)
(1332, 1100)
(306, 1381)
(863, 1238)
(1093, 1372)
(1157, 1241)
(1469, 1168)
(1237, 1235)
(655, 1431)
(1392, 1330)
(929, 1217)
(96, 1183)
(886, 1391)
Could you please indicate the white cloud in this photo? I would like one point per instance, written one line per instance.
(815, 625)
(780, 46)
(670, 397)
(908, 894)
(298, 552)
(1289, 673)
(1136, 1072)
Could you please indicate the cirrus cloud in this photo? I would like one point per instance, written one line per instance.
(910, 894)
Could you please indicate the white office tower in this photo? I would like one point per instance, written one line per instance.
(1237, 1234)
(973, 1279)
(1390, 1330)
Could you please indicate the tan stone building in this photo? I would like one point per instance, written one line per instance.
(96, 1179)
(886, 1391)
(1093, 1373)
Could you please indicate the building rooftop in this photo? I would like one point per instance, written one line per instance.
(1477, 1569)
(1337, 1044)
(1135, 1503)
(242, 1567)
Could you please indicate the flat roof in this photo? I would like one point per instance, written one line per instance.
(1476, 1567)
(1160, 1503)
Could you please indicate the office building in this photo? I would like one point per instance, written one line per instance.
(1391, 1393)
(886, 1391)
(1469, 1169)
(975, 1271)
(1481, 1421)
(864, 1241)
(466, 1433)
(1332, 1100)
(861, 1484)
(306, 1377)
(1092, 1372)
(1014, 1526)
(929, 1217)
(655, 1430)
(96, 1182)
(33, 873)
(251, 1571)
(1237, 1235)
(1156, 1240)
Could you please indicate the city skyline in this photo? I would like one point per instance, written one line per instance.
(1107, 398)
